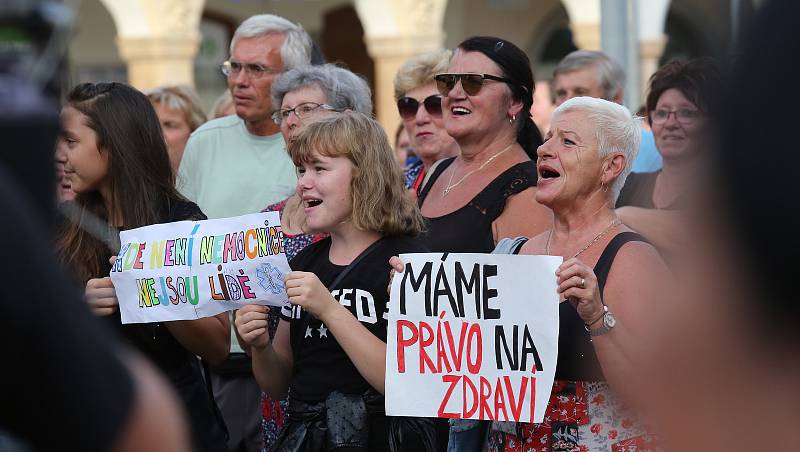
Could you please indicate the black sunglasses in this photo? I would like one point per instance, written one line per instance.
(408, 106)
(471, 83)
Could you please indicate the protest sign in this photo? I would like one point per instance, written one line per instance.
(192, 269)
(472, 336)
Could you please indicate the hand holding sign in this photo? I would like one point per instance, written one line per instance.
(307, 291)
(397, 267)
(251, 324)
(577, 284)
(101, 296)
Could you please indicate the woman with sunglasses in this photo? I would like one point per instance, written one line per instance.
(486, 192)
(420, 106)
(682, 96)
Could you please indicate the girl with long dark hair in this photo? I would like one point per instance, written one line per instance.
(118, 165)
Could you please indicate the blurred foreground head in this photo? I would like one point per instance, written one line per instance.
(727, 369)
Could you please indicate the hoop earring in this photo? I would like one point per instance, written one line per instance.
(603, 187)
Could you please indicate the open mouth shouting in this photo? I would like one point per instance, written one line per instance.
(547, 173)
(310, 203)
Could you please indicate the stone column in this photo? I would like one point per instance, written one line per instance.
(584, 20)
(650, 51)
(395, 30)
(652, 15)
(157, 39)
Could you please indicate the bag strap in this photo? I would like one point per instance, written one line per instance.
(355, 262)
(509, 245)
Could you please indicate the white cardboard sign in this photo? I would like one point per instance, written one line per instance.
(192, 269)
(472, 336)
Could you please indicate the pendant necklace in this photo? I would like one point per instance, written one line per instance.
(451, 185)
(599, 236)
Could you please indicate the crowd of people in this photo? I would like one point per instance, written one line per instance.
(473, 169)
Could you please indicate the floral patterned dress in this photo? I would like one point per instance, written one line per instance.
(581, 417)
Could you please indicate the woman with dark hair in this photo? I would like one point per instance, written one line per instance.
(118, 165)
(486, 192)
(683, 98)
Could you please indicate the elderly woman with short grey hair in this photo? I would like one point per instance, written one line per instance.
(602, 320)
(306, 92)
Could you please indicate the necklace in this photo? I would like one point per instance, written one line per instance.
(599, 236)
(451, 185)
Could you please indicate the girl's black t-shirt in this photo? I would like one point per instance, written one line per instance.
(320, 364)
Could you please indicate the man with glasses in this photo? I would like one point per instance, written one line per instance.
(594, 74)
(236, 165)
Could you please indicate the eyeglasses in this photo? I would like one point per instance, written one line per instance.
(254, 71)
(408, 106)
(302, 111)
(682, 115)
(471, 83)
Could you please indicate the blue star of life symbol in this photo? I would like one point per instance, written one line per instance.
(270, 279)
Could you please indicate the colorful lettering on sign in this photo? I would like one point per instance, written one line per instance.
(231, 288)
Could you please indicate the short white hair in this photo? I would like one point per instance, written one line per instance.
(296, 49)
(616, 130)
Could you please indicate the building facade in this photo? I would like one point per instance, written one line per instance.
(154, 42)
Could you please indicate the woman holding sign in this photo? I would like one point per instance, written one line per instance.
(117, 163)
(329, 352)
(609, 277)
(305, 94)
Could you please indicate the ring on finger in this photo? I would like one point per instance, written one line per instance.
(583, 283)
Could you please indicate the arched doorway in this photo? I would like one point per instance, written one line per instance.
(342, 41)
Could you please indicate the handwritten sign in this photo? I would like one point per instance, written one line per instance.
(192, 269)
(472, 336)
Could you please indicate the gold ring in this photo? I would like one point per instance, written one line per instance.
(583, 283)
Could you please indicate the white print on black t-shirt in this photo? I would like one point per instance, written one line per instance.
(364, 303)
(323, 332)
(361, 299)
